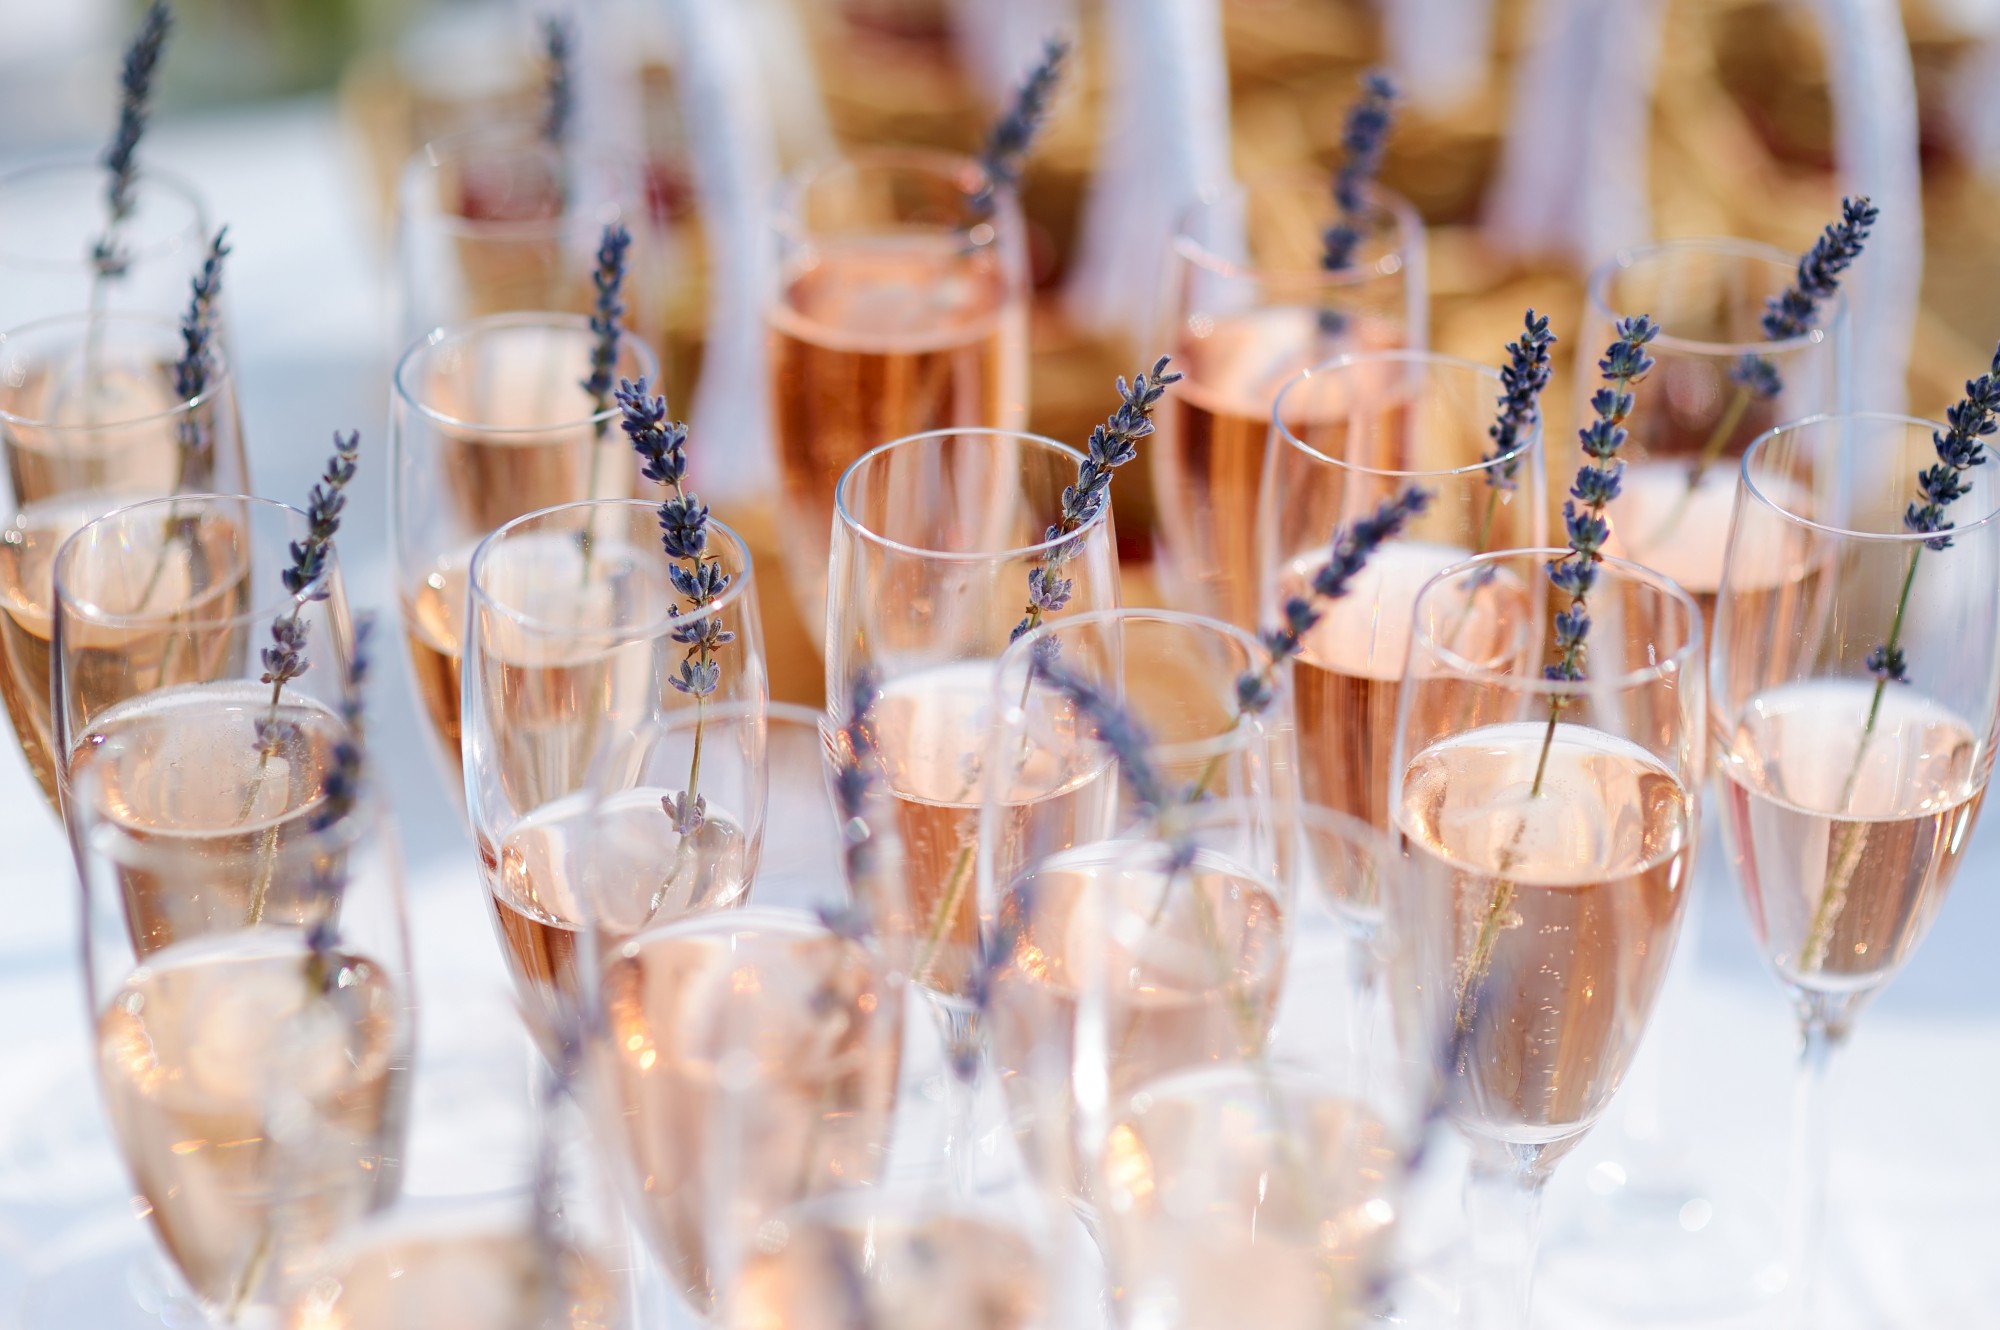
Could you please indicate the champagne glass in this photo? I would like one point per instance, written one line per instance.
(536, 1243)
(1261, 1188)
(1247, 307)
(1848, 798)
(489, 421)
(52, 216)
(748, 1057)
(254, 1074)
(934, 538)
(1709, 296)
(163, 614)
(575, 635)
(90, 421)
(497, 220)
(901, 306)
(1550, 828)
(1344, 437)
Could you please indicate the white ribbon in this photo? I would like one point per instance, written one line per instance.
(1166, 140)
(1440, 51)
(1875, 143)
(1573, 170)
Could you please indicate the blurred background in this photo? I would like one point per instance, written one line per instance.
(1536, 138)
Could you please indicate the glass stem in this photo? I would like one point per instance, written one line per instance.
(1822, 1028)
(1503, 1203)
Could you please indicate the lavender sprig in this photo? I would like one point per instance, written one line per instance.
(197, 362)
(339, 792)
(195, 463)
(1960, 447)
(1791, 313)
(607, 331)
(696, 574)
(1354, 543)
(135, 94)
(285, 659)
(559, 98)
(1115, 728)
(1625, 364)
(1111, 445)
(854, 779)
(1362, 139)
(1788, 314)
(1013, 135)
(1522, 380)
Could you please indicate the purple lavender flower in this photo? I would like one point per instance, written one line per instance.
(135, 94)
(1013, 135)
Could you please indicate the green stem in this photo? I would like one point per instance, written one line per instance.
(1548, 742)
(954, 893)
(267, 852)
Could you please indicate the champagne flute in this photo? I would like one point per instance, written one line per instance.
(748, 1057)
(1550, 829)
(570, 643)
(497, 220)
(89, 421)
(163, 614)
(901, 307)
(254, 1074)
(934, 538)
(1709, 296)
(535, 1242)
(1262, 1188)
(489, 421)
(1344, 437)
(1248, 306)
(1848, 798)
(53, 213)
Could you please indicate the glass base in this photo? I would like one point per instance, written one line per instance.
(1663, 1247)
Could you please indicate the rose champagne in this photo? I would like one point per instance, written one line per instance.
(258, 1107)
(1846, 849)
(1547, 919)
(754, 1058)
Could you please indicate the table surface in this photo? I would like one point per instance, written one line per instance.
(1915, 1236)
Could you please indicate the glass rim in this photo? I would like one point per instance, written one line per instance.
(1133, 614)
(1933, 427)
(182, 407)
(88, 166)
(1404, 355)
(847, 519)
(67, 603)
(1408, 226)
(955, 168)
(1597, 292)
(1683, 661)
(473, 329)
(738, 588)
(1223, 740)
(431, 155)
